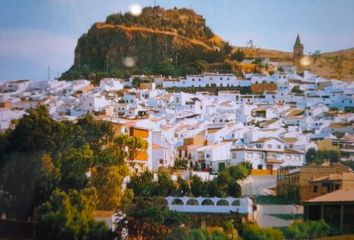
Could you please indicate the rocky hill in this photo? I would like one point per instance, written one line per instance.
(178, 42)
(174, 41)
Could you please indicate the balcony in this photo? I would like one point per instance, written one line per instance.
(273, 161)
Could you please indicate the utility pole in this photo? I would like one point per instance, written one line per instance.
(49, 72)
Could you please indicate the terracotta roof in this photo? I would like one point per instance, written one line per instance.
(340, 124)
(213, 130)
(295, 112)
(157, 146)
(342, 195)
(289, 140)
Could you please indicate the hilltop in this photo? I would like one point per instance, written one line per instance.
(337, 64)
(174, 41)
(178, 42)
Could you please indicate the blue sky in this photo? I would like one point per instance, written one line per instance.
(38, 33)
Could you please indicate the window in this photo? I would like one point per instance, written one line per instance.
(207, 156)
(234, 155)
(260, 166)
(269, 146)
(279, 146)
(314, 189)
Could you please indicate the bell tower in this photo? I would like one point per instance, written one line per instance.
(298, 51)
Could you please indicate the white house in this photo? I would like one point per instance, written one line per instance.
(111, 84)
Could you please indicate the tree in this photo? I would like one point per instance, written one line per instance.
(19, 180)
(311, 155)
(68, 216)
(148, 216)
(35, 131)
(280, 69)
(108, 183)
(143, 185)
(239, 55)
(181, 164)
(215, 189)
(74, 165)
(234, 189)
(183, 188)
(136, 82)
(296, 89)
(121, 148)
(49, 179)
(240, 171)
(96, 132)
(197, 186)
(165, 184)
(165, 68)
(318, 157)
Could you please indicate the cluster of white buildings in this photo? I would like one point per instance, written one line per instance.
(201, 130)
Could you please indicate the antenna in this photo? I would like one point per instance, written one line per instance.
(49, 72)
(154, 3)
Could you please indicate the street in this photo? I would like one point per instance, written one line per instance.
(271, 211)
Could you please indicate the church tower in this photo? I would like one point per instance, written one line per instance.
(298, 51)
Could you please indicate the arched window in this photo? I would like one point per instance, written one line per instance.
(192, 201)
(177, 201)
(235, 203)
(208, 202)
(222, 203)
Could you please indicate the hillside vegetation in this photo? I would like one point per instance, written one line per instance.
(178, 42)
(337, 65)
(171, 42)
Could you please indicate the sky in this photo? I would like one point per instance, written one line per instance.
(35, 34)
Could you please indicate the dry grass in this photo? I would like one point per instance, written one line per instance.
(337, 65)
(274, 55)
(151, 31)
